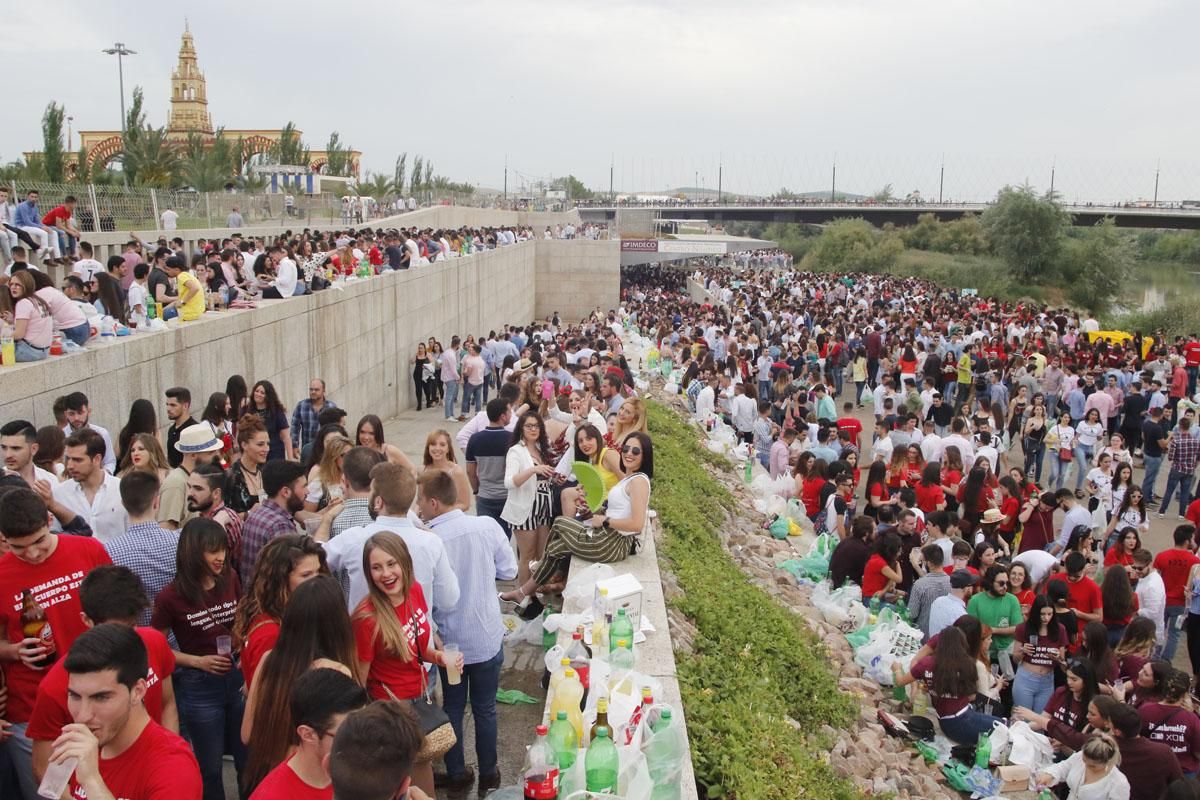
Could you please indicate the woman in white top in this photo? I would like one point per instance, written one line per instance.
(607, 537)
(1060, 439)
(529, 506)
(1087, 433)
(1091, 773)
(1099, 483)
(1117, 449)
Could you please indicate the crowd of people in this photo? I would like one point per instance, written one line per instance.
(244, 580)
(1004, 492)
(161, 280)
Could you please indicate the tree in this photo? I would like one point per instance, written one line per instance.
(82, 174)
(854, 244)
(922, 235)
(884, 195)
(1026, 231)
(207, 168)
(337, 156)
(54, 160)
(375, 185)
(573, 187)
(964, 235)
(290, 149)
(398, 175)
(1097, 265)
(427, 180)
(152, 161)
(415, 184)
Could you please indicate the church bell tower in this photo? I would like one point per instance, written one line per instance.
(189, 97)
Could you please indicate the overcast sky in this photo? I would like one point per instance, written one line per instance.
(664, 90)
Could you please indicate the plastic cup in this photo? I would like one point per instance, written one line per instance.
(453, 673)
(311, 524)
(55, 781)
(224, 645)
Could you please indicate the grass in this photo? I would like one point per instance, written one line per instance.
(756, 665)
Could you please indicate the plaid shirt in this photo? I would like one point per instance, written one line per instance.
(149, 551)
(356, 511)
(232, 523)
(1183, 452)
(304, 421)
(266, 521)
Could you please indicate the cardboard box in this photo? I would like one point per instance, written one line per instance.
(624, 591)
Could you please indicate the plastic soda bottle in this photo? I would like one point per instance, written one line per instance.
(559, 671)
(663, 759)
(8, 347)
(564, 741)
(568, 697)
(540, 774)
(748, 471)
(601, 763)
(622, 655)
(622, 628)
(599, 626)
(983, 751)
(580, 659)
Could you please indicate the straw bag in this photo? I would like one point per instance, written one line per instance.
(439, 733)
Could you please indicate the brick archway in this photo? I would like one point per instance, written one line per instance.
(318, 164)
(253, 145)
(99, 156)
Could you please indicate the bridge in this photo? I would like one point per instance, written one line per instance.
(900, 214)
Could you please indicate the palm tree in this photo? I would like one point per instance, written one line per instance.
(375, 185)
(152, 160)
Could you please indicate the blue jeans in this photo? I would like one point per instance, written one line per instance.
(471, 394)
(451, 396)
(486, 507)
(1172, 618)
(1034, 450)
(487, 383)
(966, 727)
(211, 707)
(1153, 463)
(19, 750)
(26, 352)
(1083, 460)
(765, 460)
(79, 334)
(1032, 691)
(480, 681)
(1184, 481)
(764, 390)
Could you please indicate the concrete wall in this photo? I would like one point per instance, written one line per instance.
(358, 339)
(575, 276)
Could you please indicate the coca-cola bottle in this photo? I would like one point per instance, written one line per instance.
(540, 774)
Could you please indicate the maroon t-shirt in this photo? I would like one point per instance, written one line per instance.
(196, 628)
(1175, 727)
(944, 706)
(1129, 666)
(1047, 646)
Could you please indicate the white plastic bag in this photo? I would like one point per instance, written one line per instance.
(1000, 742)
(670, 387)
(582, 585)
(890, 642)
(1029, 748)
(841, 607)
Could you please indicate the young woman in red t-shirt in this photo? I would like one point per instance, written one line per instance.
(1128, 542)
(1022, 586)
(914, 465)
(882, 573)
(392, 631)
(930, 496)
(877, 490)
(1009, 505)
(952, 475)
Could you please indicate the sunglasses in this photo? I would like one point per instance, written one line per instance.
(631, 450)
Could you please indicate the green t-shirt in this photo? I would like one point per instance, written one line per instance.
(998, 612)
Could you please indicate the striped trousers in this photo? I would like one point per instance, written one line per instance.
(570, 537)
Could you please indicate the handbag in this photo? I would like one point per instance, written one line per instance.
(435, 724)
(1066, 454)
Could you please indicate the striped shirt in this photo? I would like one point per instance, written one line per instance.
(266, 521)
(148, 549)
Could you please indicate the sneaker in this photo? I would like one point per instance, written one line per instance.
(443, 780)
(1182, 518)
(1160, 515)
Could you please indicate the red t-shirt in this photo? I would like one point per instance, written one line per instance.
(1193, 513)
(282, 783)
(157, 766)
(260, 640)
(879, 491)
(853, 426)
(1025, 597)
(945, 706)
(54, 215)
(1174, 565)
(196, 628)
(810, 495)
(403, 678)
(55, 585)
(1175, 727)
(929, 497)
(1191, 354)
(1009, 507)
(50, 712)
(1117, 555)
(873, 580)
(1082, 595)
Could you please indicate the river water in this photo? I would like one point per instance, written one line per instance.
(1154, 284)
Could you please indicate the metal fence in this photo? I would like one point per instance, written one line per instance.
(105, 208)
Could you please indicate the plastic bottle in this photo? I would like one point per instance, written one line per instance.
(599, 622)
(556, 677)
(549, 637)
(601, 764)
(540, 774)
(581, 660)
(622, 628)
(568, 697)
(748, 471)
(8, 347)
(983, 751)
(638, 713)
(621, 658)
(601, 718)
(564, 741)
(663, 759)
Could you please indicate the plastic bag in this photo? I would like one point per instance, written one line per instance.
(781, 527)
(823, 546)
(1000, 742)
(808, 568)
(841, 607)
(581, 586)
(741, 452)
(1029, 748)
(775, 505)
(670, 388)
(891, 641)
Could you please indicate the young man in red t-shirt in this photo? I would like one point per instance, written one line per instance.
(1174, 565)
(320, 700)
(58, 223)
(847, 422)
(51, 567)
(120, 751)
(108, 594)
(1083, 593)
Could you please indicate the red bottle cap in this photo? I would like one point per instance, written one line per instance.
(542, 730)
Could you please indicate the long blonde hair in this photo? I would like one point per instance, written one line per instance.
(328, 470)
(376, 604)
(639, 419)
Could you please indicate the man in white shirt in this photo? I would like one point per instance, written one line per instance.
(286, 276)
(1038, 563)
(957, 438)
(18, 446)
(78, 417)
(743, 411)
(706, 401)
(392, 491)
(91, 493)
(1077, 515)
(170, 219)
(87, 266)
(931, 443)
(949, 607)
(1151, 593)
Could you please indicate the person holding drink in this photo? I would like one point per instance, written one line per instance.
(528, 470)
(392, 632)
(199, 607)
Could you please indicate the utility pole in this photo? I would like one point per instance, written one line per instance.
(506, 179)
(833, 191)
(120, 51)
(720, 177)
(1053, 167)
(942, 179)
(1156, 170)
(70, 148)
(611, 165)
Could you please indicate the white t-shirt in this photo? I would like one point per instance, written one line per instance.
(137, 296)
(1037, 563)
(85, 268)
(169, 219)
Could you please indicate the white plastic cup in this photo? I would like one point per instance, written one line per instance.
(224, 646)
(453, 673)
(55, 781)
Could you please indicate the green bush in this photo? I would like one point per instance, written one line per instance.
(756, 665)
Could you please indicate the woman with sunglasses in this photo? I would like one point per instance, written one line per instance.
(608, 537)
(528, 471)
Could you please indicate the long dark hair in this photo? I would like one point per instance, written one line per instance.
(142, 419)
(954, 671)
(543, 444)
(876, 474)
(267, 592)
(315, 625)
(272, 397)
(375, 424)
(643, 440)
(1093, 643)
(973, 491)
(235, 390)
(1116, 594)
(1086, 671)
(199, 537)
(1033, 621)
(113, 296)
(593, 433)
(214, 412)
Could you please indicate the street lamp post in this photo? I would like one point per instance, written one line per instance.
(120, 51)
